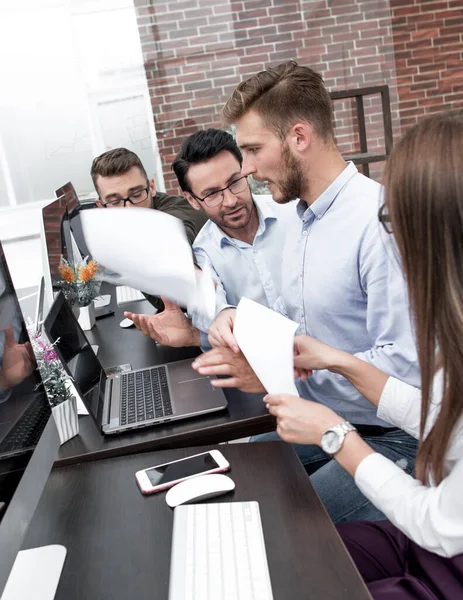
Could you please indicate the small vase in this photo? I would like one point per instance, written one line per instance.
(67, 422)
(87, 316)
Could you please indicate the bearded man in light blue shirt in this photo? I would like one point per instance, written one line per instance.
(240, 243)
(339, 279)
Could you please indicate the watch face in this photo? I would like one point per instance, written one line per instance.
(331, 442)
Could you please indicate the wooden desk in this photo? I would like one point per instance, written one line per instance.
(246, 414)
(119, 542)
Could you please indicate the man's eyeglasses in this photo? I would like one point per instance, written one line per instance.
(385, 218)
(136, 198)
(215, 198)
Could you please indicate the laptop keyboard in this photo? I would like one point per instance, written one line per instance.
(27, 431)
(144, 396)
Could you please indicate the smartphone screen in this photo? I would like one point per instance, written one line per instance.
(178, 470)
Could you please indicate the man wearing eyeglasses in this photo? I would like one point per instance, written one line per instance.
(122, 182)
(241, 243)
(340, 281)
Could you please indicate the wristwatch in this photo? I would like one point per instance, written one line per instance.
(333, 438)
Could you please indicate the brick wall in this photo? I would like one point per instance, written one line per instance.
(196, 51)
(428, 42)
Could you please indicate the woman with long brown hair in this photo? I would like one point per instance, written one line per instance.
(418, 552)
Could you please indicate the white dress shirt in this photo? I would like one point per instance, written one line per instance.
(342, 283)
(430, 515)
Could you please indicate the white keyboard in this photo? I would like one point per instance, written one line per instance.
(126, 294)
(218, 553)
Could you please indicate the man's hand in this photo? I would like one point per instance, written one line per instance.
(169, 328)
(18, 361)
(223, 361)
(221, 330)
(300, 421)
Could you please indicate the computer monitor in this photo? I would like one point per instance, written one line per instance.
(57, 241)
(62, 236)
(70, 195)
(72, 231)
(29, 439)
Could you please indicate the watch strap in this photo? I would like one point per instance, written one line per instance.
(341, 429)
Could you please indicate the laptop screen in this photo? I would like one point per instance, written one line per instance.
(76, 354)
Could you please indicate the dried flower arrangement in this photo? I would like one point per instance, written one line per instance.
(80, 283)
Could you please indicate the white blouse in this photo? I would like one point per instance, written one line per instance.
(430, 516)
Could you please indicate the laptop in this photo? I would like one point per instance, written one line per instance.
(128, 400)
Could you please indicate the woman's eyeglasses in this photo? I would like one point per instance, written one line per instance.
(385, 218)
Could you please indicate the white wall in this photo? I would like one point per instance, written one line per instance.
(19, 233)
(73, 86)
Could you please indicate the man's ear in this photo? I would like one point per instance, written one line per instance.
(194, 203)
(98, 203)
(300, 137)
(152, 187)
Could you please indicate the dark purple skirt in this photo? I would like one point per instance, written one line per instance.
(395, 568)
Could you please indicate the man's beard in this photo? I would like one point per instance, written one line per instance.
(292, 186)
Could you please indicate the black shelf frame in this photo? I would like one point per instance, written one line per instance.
(363, 157)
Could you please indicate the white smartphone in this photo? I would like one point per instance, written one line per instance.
(165, 476)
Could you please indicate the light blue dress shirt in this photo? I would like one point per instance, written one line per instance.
(341, 281)
(241, 269)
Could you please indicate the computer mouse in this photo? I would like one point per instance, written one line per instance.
(126, 323)
(101, 301)
(199, 488)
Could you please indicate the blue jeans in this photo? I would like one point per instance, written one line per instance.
(336, 488)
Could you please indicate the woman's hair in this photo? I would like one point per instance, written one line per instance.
(424, 196)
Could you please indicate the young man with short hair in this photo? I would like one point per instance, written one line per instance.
(120, 180)
(338, 280)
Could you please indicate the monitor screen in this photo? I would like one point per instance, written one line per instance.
(69, 194)
(73, 205)
(76, 354)
(56, 229)
(24, 409)
(61, 237)
(28, 437)
(57, 240)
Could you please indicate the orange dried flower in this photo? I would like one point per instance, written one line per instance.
(66, 273)
(88, 272)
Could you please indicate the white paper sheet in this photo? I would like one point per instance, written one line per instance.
(266, 339)
(147, 250)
